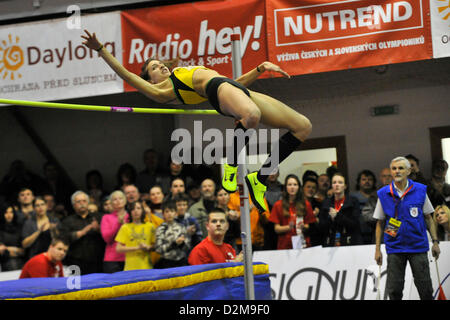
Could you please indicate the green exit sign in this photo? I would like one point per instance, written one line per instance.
(384, 110)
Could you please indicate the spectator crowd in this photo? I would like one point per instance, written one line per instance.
(155, 218)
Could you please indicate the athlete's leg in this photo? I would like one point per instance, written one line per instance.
(278, 115)
(235, 102)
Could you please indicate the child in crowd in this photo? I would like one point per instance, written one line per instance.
(172, 241)
(186, 219)
(136, 239)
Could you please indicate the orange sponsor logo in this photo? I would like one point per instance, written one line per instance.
(11, 58)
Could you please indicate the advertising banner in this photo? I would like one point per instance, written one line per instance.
(341, 273)
(46, 60)
(196, 34)
(325, 35)
(440, 27)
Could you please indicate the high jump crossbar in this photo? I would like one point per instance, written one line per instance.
(54, 105)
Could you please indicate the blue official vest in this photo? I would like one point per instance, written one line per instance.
(412, 235)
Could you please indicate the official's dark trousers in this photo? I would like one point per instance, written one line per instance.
(396, 266)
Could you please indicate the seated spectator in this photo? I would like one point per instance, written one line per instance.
(38, 231)
(442, 220)
(25, 209)
(94, 186)
(82, 229)
(156, 201)
(416, 174)
(438, 190)
(339, 216)
(207, 202)
(213, 249)
(287, 213)
(136, 239)
(47, 264)
(172, 242)
(233, 217)
(366, 188)
(186, 219)
(10, 238)
(257, 221)
(114, 261)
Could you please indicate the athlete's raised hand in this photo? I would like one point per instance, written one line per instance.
(269, 66)
(91, 41)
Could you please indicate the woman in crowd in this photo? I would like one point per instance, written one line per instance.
(292, 215)
(442, 220)
(10, 238)
(136, 239)
(38, 231)
(114, 261)
(339, 216)
(156, 200)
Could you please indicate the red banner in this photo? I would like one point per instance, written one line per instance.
(322, 35)
(196, 33)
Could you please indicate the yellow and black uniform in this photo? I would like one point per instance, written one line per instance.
(184, 89)
(182, 84)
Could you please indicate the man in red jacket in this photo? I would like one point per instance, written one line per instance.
(47, 264)
(212, 249)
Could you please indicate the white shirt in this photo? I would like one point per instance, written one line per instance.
(379, 214)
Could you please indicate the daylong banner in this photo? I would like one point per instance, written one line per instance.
(322, 35)
(46, 60)
(341, 273)
(196, 33)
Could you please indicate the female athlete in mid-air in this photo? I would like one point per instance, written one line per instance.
(192, 85)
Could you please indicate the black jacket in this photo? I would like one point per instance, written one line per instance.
(346, 222)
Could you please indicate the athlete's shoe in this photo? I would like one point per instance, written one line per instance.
(256, 191)
(229, 179)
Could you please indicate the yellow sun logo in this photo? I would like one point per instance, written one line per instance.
(444, 9)
(11, 58)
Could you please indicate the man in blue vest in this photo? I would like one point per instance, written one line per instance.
(404, 212)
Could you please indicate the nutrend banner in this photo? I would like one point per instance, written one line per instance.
(324, 35)
(46, 60)
(440, 27)
(195, 33)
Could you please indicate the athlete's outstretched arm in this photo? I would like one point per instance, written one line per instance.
(250, 77)
(134, 80)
